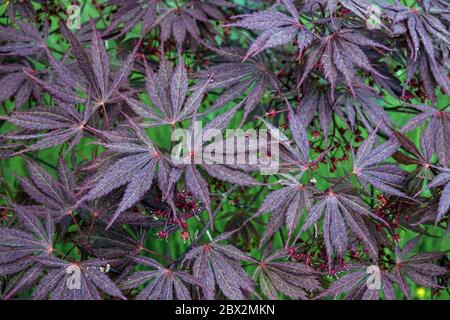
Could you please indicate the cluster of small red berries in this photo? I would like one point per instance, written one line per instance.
(315, 256)
(164, 235)
(272, 114)
(319, 66)
(389, 212)
(418, 92)
(187, 207)
(4, 216)
(317, 260)
(341, 12)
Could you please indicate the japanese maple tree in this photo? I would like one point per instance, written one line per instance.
(99, 200)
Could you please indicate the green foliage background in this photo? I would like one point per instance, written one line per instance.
(237, 203)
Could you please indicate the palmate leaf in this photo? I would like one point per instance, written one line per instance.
(17, 85)
(300, 150)
(423, 31)
(290, 278)
(420, 156)
(95, 79)
(363, 106)
(421, 28)
(134, 163)
(294, 156)
(237, 78)
(116, 245)
(339, 53)
(188, 19)
(216, 264)
(355, 285)
(168, 90)
(286, 205)
(57, 196)
(129, 13)
(421, 268)
(93, 280)
(411, 148)
(163, 283)
(96, 73)
(443, 179)
(60, 124)
(20, 247)
(437, 133)
(386, 177)
(339, 211)
(17, 244)
(431, 73)
(318, 102)
(277, 28)
(195, 155)
(25, 41)
(104, 209)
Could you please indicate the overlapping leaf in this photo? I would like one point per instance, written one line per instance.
(133, 164)
(216, 264)
(293, 279)
(341, 211)
(95, 79)
(339, 53)
(20, 247)
(57, 196)
(386, 177)
(443, 179)
(421, 268)
(162, 283)
(250, 78)
(52, 126)
(17, 85)
(437, 133)
(25, 41)
(92, 280)
(355, 284)
(167, 89)
(277, 29)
